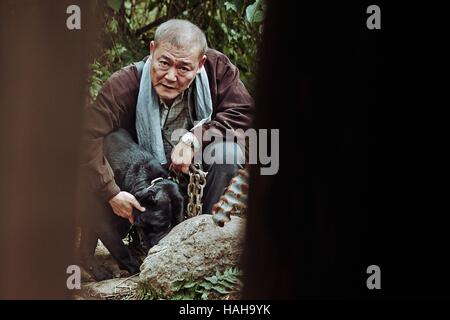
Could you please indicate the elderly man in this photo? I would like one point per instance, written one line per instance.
(181, 85)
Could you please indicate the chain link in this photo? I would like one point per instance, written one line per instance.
(197, 181)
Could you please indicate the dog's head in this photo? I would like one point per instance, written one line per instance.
(164, 209)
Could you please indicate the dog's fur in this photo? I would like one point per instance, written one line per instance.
(134, 169)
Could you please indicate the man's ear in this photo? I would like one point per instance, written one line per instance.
(201, 63)
(152, 48)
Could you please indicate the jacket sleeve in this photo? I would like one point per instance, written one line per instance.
(232, 103)
(111, 110)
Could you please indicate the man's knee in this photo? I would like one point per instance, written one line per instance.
(220, 153)
(222, 171)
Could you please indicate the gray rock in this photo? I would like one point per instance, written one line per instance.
(196, 248)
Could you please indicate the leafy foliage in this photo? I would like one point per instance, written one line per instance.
(214, 287)
(233, 27)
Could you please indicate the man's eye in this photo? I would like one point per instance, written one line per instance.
(184, 69)
(163, 63)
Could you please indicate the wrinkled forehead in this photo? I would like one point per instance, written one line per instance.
(177, 52)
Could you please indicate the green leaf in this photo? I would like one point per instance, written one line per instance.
(113, 26)
(220, 290)
(204, 296)
(230, 6)
(237, 272)
(189, 285)
(232, 280)
(212, 279)
(226, 284)
(176, 286)
(115, 4)
(205, 285)
(258, 16)
(255, 12)
(250, 12)
(177, 297)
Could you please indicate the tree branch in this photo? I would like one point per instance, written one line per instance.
(150, 26)
(173, 11)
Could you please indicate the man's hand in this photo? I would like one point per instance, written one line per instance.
(181, 157)
(123, 203)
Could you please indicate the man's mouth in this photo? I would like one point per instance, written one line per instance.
(168, 87)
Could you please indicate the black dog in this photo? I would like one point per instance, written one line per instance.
(137, 172)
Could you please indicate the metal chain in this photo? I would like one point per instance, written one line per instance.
(197, 181)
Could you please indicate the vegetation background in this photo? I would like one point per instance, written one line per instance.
(233, 27)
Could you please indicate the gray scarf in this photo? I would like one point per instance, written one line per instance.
(148, 126)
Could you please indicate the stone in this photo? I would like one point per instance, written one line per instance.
(194, 249)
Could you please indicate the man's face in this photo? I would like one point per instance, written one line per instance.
(173, 69)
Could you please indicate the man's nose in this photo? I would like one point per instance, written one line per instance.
(171, 75)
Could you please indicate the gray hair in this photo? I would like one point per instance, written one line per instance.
(181, 33)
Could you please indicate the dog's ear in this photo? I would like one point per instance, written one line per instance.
(177, 209)
(146, 195)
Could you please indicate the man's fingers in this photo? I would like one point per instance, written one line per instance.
(127, 213)
(122, 205)
(131, 219)
(185, 168)
(175, 167)
(137, 205)
(124, 212)
(129, 216)
(180, 167)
